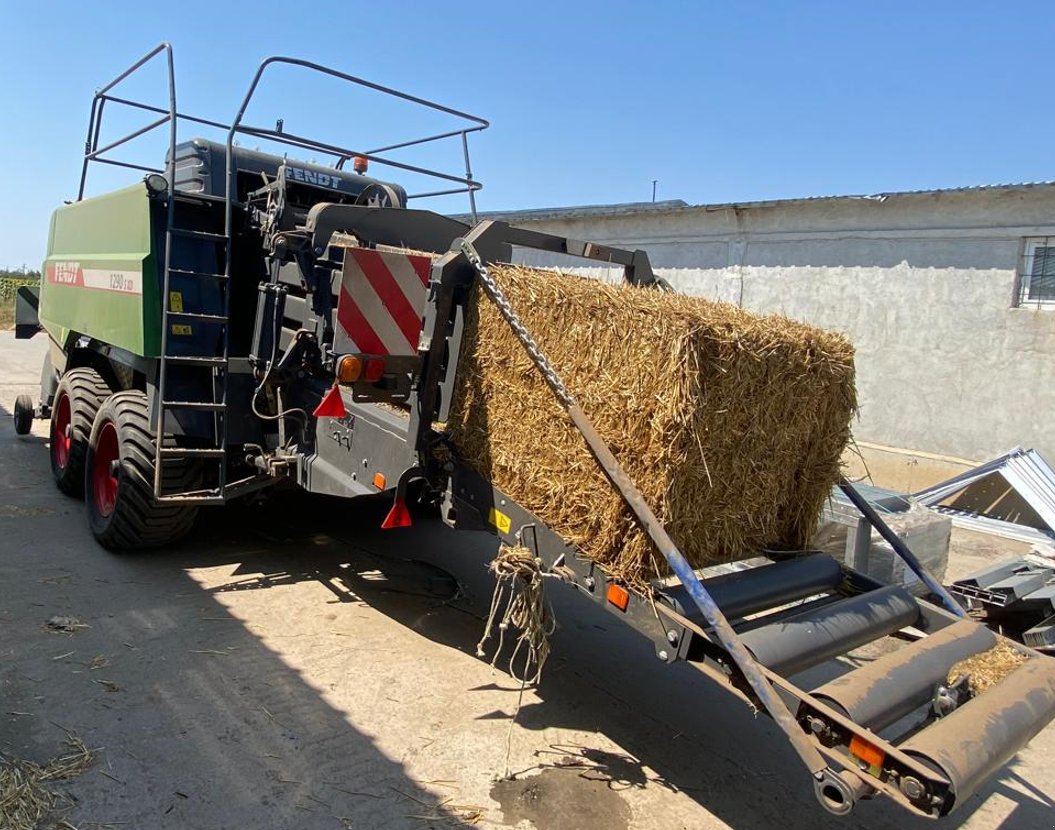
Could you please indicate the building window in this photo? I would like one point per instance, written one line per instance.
(1036, 281)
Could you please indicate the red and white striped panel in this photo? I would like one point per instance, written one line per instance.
(381, 303)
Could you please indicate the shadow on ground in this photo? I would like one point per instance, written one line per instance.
(195, 722)
(200, 720)
(680, 732)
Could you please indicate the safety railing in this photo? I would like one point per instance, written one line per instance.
(466, 183)
(171, 116)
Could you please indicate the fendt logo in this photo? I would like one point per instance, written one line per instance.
(67, 273)
(314, 177)
(72, 274)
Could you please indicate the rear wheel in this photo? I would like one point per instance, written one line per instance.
(79, 395)
(119, 479)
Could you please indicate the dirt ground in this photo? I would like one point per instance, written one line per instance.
(274, 671)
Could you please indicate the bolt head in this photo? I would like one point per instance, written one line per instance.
(663, 655)
(912, 788)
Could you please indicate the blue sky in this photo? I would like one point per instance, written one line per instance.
(589, 101)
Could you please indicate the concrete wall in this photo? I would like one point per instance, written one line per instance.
(922, 284)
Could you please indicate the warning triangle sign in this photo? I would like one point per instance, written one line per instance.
(332, 404)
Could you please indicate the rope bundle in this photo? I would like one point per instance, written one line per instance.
(519, 591)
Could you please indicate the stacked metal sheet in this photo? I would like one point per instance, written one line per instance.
(1022, 589)
(1022, 470)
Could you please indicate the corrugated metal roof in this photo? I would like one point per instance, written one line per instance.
(678, 205)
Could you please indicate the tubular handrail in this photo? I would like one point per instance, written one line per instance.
(171, 116)
(469, 185)
(92, 151)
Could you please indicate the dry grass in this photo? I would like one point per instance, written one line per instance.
(25, 799)
(731, 423)
(987, 669)
(7, 314)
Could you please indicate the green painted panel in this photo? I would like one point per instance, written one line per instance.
(100, 275)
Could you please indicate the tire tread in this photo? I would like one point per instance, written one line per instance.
(138, 520)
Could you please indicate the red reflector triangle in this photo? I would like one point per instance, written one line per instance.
(398, 516)
(332, 405)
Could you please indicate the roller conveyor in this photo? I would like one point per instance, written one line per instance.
(754, 629)
(976, 740)
(881, 692)
(944, 762)
(759, 589)
(804, 640)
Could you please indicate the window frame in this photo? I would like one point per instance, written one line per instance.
(1025, 273)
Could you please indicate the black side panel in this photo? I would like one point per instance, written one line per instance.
(201, 167)
(27, 301)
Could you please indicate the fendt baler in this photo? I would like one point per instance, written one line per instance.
(236, 321)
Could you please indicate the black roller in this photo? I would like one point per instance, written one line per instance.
(879, 693)
(770, 586)
(978, 738)
(798, 642)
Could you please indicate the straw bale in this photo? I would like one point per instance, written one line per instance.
(732, 424)
(985, 670)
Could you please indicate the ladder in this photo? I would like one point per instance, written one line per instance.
(210, 365)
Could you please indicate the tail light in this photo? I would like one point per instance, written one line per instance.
(349, 368)
(374, 369)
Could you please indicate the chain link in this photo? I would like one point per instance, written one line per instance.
(501, 302)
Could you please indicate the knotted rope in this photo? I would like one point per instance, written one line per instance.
(519, 590)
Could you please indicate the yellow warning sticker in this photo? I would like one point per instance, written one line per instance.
(182, 330)
(176, 302)
(500, 520)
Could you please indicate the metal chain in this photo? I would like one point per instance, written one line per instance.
(506, 310)
(651, 525)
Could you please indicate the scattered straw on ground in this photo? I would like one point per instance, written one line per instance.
(732, 424)
(24, 795)
(987, 669)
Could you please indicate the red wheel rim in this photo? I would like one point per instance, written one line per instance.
(104, 482)
(61, 432)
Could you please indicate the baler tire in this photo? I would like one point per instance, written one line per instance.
(78, 397)
(122, 511)
(23, 414)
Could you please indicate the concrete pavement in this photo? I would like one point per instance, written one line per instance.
(275, 671)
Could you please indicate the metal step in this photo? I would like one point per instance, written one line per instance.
(183, 272)
(190, 196)
(191, 452)
(201, 406)
(201, 497)
(194, 315)
(190, 233)
(195, 360)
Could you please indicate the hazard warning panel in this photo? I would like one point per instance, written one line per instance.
(381, 303)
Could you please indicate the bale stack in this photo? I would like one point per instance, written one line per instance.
(732, 424)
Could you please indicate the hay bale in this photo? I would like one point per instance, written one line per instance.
(732, 424)
(985, 670)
